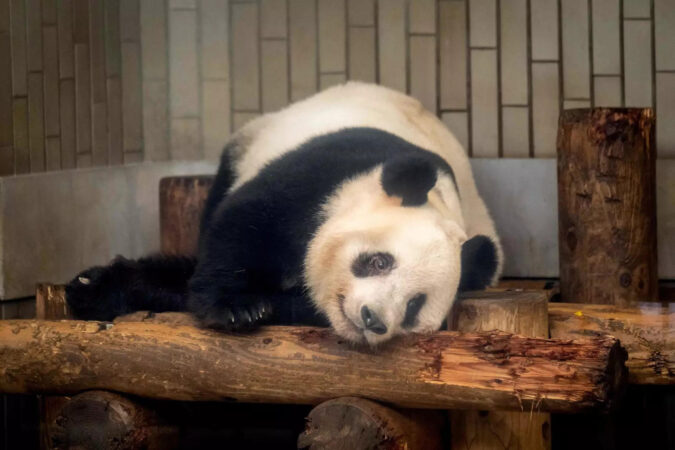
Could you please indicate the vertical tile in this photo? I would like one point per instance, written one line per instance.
(48, 12)
(422, 16)
(184, 85)
(423, 70)
(606, 37)
(113, 50)
(664, 31)
(133, 157)
(484, 102)
(362, 57)
(331, 79)
(575, 35)
(240, 119)
(36, 130)
(183, 4)
(273, 18)
(215, 117)
(544, 26)
(607, 91)
(6, 134)
(515, 131)
(573, 104)
(80, 21)
(245, 70)
(18, 41)
(67, 122)
(64, 20)
(115, 132)
(185, 139)
(83, 160)
(361, 12)
(665, 105)
(302, 42)
(214, 40)
(132, 96)
(153, 38)
(483, 23)
(637, 47)
(34, 35)
(637, 9)
(545, 108)
(332, 38)
(20, 126)
(130, 26)
(453, 57)
(458, 123)
(274, 75)
(99, 119)
(51, 80)
(52, 153)
(514, 51)
(391, 44)
(99, 134)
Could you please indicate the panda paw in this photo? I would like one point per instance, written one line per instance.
(241, 315)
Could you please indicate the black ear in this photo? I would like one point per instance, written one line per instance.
(479, 263)
(410, 178)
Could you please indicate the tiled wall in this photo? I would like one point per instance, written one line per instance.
(89, 83)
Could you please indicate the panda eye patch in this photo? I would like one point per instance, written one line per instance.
(413, 309)
(372, 264)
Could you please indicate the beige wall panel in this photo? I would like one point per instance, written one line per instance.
(155, 120)
(241, 119)
(185, 139)
(115, 133)
(99, 134)
(215, 117)
(361, 12)
(183, 70)
(362, 58)
(132, 98)
(664, 31)
(6, 133)
(82, 99)
(303, 48)
(245, 70)
(20, 125)
(483, 23)
(665, 107)
(332, 35)
(214, 39)
(51, 80)
(36, 125)
(153, 38)
(637, 9)
(422, 16)
(274, 74)
(64, 21)
(423, 70)
(637, 47)
(573, 104)
(130, 20)
(97, 52)
(34, 35)
(327, 80)
(576, 63)
(67, 123)
(514, 51)
(113, 50)
(606, 37)
(544, 25)
(52, 153)
(484, 102)
(607, 91)
(453, 57)
(273, 18)
(392, 43)
(545, 108)
(182, 4)
(458, 123)
(515, 131)
(18, 40)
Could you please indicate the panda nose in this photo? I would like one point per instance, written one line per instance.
(372, 322)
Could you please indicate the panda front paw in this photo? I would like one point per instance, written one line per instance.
(240, 315)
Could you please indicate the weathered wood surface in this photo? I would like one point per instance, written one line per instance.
(647, 331)
(306, 365)
(524, 312)
(351, 423)
(181, 201)
(607, 206)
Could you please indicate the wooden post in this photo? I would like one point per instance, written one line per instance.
(181, 201)
(524, 313)
(353, 423)
(607, 206)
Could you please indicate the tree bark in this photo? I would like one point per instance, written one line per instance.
(607, 206)
(524, 313)
(181, 202)
(306, 365)
(351, 423)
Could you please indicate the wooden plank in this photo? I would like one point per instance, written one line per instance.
(274, 63)
(18, 40)
(113, 52)
(52, 153)
(65, 37)
(36, 124)
(132, 97)
(67, 123)
(362, 54)
(453, 55)
(303, 48)
(332, 35)
(391, 44)
(34, 35)
(245, 57)
(154, 38)
(115, 132)
(6, 133)
(82, 99)
(423, 70)
(156, 120)
(51, 80)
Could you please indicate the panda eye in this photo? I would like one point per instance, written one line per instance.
(413, 309)
(378, 262)
(372, 264)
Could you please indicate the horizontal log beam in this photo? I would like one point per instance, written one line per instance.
(488, 370)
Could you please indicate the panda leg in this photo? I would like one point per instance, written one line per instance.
(234, 313)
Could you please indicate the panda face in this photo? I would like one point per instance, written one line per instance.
(377, 269)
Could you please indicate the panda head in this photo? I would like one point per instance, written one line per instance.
(387, 259)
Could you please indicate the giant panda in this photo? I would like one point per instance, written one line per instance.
(357, 204)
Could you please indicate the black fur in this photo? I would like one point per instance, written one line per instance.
(409, 177)
(479, 263)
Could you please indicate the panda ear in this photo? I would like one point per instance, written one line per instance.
(479, 263)
(410, 178)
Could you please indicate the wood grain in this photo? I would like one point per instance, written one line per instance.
(607, 206)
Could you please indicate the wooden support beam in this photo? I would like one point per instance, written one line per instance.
(607, 206)
(306, 365)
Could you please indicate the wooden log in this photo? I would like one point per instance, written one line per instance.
(352, 423)
(647, 332)
(103, 420)
(307, 365)
(521, 312)
(181, 201)
(607, 206)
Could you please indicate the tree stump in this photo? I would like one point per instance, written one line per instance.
(524, 313)
(607, 206)
(352, 423)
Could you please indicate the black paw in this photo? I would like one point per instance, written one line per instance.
(241, 315)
